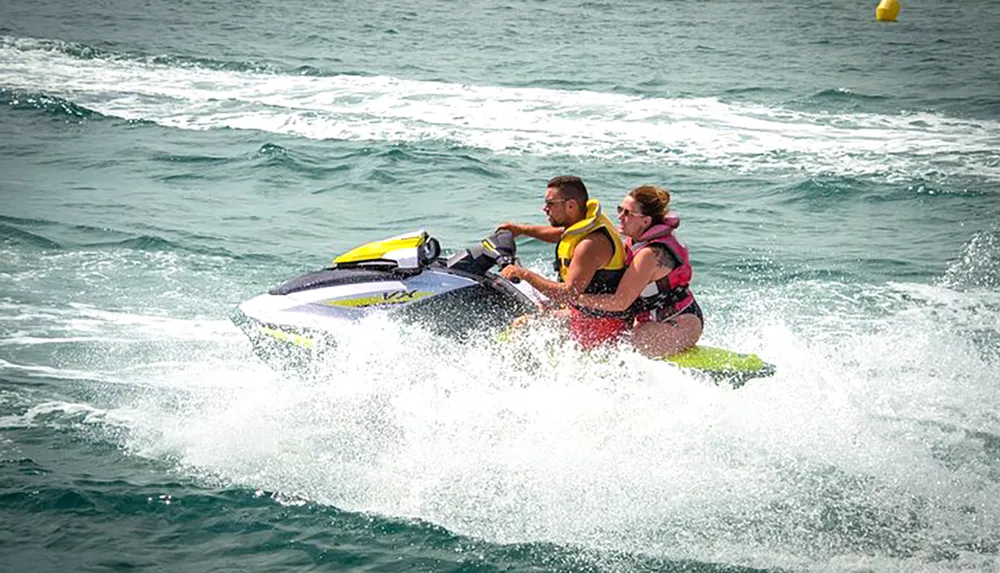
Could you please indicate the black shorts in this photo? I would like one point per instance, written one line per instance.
(667, 315)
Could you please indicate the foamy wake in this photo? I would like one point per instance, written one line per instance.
(871, 446)
(691, 132)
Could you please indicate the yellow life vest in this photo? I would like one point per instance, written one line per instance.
(607, 277)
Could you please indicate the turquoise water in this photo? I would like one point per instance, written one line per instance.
(839, 187)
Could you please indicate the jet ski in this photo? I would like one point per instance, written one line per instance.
(407, 277)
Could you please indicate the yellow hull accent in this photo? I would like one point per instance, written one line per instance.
(376, 249)
(289, 337)
(708, 358)
(716, 362)
(381, 299)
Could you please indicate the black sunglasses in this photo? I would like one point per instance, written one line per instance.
(627, 213)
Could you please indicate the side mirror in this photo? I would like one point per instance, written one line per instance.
(429, 251)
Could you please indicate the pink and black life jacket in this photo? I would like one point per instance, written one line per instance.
(671, 292)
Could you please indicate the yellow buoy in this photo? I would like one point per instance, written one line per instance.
(887, 10)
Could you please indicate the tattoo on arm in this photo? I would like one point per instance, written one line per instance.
(663, 257)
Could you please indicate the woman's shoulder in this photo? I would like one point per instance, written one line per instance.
(660, 253)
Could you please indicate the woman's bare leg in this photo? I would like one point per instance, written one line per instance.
(661, 339)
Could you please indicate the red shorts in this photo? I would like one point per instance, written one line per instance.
(591, 331)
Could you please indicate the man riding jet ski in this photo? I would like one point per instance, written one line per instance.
(407, 278)
(590, 259)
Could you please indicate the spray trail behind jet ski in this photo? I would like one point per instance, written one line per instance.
(508, 120)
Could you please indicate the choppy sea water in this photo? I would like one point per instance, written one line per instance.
(839, 187)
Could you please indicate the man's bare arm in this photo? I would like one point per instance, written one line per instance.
(540, 232)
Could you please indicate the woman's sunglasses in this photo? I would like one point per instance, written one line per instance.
(623, 212)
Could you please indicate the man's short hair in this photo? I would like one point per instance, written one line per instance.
(570, 187)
